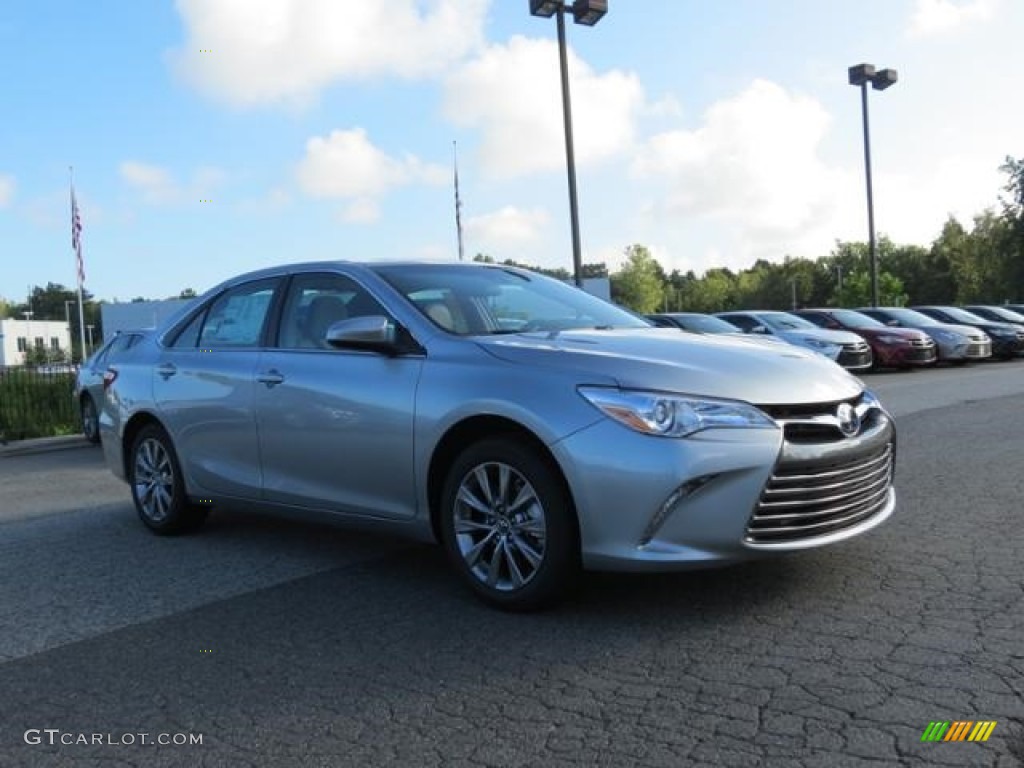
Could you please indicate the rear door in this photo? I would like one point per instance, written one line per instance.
(203, 385)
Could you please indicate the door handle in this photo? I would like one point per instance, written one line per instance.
(167, 370)
(271, 378)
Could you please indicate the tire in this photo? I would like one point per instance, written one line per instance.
(158, 488)
(517, 549)
(90, 420)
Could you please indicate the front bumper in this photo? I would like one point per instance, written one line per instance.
(655, 504)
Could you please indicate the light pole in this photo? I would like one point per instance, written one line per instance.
(587, 13)
(861, 75)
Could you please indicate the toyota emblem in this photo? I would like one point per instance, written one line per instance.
(849, 421)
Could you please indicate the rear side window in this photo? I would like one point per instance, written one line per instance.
(237, 317)
(188, 337)
(746, 322)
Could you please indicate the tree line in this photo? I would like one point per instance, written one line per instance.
(983, 263)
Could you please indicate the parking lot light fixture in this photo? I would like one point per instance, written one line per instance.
(589, 12)
(586, 13)
(861, 75)
(545, 8)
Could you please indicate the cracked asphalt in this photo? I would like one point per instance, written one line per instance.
(298, 644)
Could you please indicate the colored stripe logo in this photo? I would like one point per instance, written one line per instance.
(958, 730)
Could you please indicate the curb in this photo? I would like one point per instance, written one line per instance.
(43, 445)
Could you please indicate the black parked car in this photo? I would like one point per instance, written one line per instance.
(1007, 339)
(996, 314)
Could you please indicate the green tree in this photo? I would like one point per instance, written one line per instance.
(640, 283)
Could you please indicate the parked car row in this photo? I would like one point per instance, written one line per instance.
(531, 429)
(875, 337)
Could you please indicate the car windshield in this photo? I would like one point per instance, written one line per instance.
(783, 321)
(962, 315)
(471, 300)
(706, 324)
(852, 319)
(910, 317)
(1007, 314)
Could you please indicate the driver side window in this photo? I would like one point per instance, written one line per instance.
(315, 302)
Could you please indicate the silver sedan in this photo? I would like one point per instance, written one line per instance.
(532, 429)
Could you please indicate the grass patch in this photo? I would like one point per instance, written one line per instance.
(34, 404)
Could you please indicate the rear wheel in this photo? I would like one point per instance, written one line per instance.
(509, 526)
(158, 488)
(90, 420)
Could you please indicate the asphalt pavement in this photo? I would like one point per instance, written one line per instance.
(285, 643)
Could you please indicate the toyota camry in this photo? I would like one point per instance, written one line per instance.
(532, 429)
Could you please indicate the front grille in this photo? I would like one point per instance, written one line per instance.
(979, 349)
(854, 355)
(817, 422)
(922, 343)
(921, 354)
(805, 502)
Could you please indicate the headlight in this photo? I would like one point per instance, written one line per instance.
(665, 415)
(1002, 333)
(892, 340)
(949, 337)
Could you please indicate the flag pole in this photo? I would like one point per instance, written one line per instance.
(76, 244)
(458, 201)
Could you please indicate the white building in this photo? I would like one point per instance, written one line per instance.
(137, 315)
(18, 336)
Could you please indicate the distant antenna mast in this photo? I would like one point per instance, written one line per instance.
(458, 200)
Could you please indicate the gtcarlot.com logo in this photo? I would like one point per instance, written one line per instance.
(55, 737)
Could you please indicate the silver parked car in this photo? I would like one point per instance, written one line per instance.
(88, 389)
(843, 347)
(956, 344)
(531, 428)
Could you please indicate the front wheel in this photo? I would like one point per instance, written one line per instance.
(158, 488)
(509, 526)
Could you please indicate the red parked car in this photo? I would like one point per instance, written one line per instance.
(892, 347)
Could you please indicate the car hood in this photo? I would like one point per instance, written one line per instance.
(663, 359)
(964, 330)
(820, 334)
(911, 334)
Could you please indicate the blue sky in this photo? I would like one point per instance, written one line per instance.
(210, 137)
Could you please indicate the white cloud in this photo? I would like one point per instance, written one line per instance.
(252, 52)
(509, 226)
(361, 211)
(512, 93)
(158, 187)
(6, 189)
(936, 17)
(753, 163)
(346, 165)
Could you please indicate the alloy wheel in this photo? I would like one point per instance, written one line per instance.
(154, 479)
(500, 528)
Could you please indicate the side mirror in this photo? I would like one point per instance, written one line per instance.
(759, 329)
(893, 323)
(374, 333)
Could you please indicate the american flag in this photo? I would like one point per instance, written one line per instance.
(76, 237)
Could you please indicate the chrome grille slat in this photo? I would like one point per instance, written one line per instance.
(846, 469)
(802, 502)
(878, 487)
(832, 524)
(867, 482)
